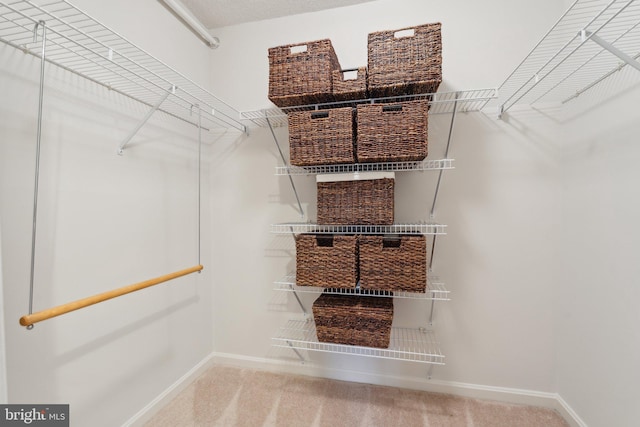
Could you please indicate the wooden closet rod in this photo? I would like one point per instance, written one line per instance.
(30, 319)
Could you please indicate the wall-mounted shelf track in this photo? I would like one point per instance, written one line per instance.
(415, 345)
(435, 290)
(83, 46)
(591, 42)
(301, 227)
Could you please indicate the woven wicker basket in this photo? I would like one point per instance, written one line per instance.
(393, 264)
(300, 74)
(349, 89)
(368, 202)
(326, 261)
(322, 137)
(353, 320)
(405, 65)
(392, 132)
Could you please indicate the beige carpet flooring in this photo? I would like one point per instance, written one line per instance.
(227, 396)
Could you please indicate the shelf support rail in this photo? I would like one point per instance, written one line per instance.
(435, 196)
(146, 118)
(295, 294)
(446, 155)
(37, 169)
(431, 311)
(295, 350)
(600, 79)
(585, 64)
(31, 318)
(584, 34)
(284, 161)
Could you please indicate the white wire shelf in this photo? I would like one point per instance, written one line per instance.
(435, 290)
(301, 227)
(81, 45)
(440, 103)
(415, 345)
(425, 165)
(592, 41)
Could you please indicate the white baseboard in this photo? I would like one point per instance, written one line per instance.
(476, 391)
(146, 413)
(569, 414)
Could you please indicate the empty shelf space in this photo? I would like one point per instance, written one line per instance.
(415, 345)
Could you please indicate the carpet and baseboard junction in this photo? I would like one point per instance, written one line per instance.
(224, 395)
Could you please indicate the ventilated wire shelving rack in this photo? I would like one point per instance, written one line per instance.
(83, 46)
(591, 42)
(366, 167)
(415, 345)
(435, 289)
(303, 227)
(439, 103)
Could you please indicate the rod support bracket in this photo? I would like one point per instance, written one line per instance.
(611, 48)
(146, 118)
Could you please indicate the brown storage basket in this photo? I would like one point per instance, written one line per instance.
(326, 261)
(392, 132)
(350, 89)
(405, 65)
(322, 137)
(353, 320)
(393, 264)
(300, 78)
(368, 202)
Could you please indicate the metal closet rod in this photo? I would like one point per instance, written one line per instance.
(30, 319)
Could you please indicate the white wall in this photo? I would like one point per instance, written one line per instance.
(500, 202)
(104, 221)
(598, 317)
(541, 215)
(3, 362)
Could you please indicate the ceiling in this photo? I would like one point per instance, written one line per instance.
(221, 13)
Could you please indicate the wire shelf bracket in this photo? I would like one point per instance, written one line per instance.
(590, 42)
(418, 228)
(435, 290)
(284, 161)
(145, 119)
(611, 48)
(415, 345)
(424, 165)
(78, 43)
(439, 103)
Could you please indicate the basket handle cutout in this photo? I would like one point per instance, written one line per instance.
(320, 115)
(391, 242)
(298, 49)
(410, 32)
(324, 241)
(387, 108)
(350, 74)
